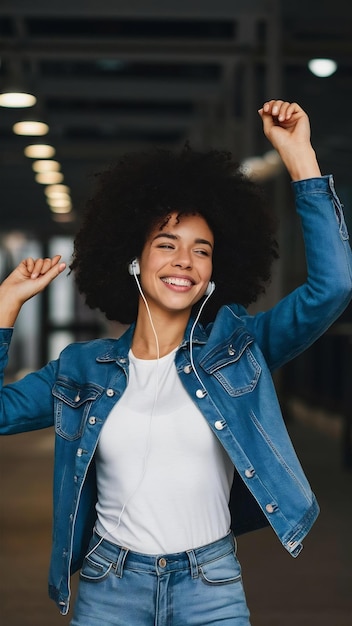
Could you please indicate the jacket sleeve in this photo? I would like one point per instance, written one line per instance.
(28, 403)
(305, 314)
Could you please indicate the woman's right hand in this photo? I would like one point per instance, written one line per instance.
(30, 277)
(287, 127)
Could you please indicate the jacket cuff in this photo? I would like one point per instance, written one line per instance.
(311, 185)
(5, 335)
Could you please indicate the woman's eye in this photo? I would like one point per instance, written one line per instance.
(166, 245)
(202, 252)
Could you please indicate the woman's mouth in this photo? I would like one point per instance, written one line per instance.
(175, 281)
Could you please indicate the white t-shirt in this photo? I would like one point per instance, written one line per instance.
(163, 478)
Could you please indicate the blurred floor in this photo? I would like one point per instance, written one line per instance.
(313, 590)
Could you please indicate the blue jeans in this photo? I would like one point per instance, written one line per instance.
(198, 587)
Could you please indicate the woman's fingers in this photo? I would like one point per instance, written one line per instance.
(41, 266)
(280, 109)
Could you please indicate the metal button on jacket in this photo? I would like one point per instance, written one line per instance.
(110, 392)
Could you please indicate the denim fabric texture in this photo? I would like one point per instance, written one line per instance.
(233, 357)
(197, 587)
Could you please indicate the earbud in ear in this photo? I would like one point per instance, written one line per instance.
(134, 268)
(209, 290)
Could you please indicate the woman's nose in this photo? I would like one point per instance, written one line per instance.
(182, 259)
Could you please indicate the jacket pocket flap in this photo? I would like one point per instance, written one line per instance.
(74, 394)
(227, 352)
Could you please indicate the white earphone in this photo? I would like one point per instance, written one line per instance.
(210, 288)
(134, 270)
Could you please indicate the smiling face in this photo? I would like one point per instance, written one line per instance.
(176, 263)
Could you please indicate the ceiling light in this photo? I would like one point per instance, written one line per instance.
(60, 203)
(322, 67)
(58, 195)
(51, 190)
(16, 90)
(17, 99)
(63, 209)
(48, 178)
(39, 151)
(46, 165)
(30, 127)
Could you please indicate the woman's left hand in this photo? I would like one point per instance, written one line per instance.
(287, 127)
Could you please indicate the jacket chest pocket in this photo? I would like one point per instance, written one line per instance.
(234, 365)
(72, 403)
(241, 376)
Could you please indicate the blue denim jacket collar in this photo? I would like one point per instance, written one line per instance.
(118, 350)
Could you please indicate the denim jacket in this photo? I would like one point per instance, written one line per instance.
(230, 383)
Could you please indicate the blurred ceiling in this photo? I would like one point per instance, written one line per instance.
(112, 76)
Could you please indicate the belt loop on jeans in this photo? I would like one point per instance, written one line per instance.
(193, 563)
(121, 562)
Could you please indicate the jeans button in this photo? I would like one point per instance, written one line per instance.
(162, 562)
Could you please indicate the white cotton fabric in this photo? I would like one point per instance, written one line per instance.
(163, 478)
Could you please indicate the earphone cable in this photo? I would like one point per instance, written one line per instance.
(191, 336)
(148, 440)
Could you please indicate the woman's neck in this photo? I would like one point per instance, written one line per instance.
(169, 330)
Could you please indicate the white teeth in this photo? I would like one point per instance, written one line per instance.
(179, 282)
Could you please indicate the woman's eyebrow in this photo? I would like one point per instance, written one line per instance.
(167, 235)
(175, 237)
(203, 241)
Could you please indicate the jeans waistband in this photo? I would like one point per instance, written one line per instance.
(159, 564)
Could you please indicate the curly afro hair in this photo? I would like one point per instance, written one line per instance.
(139, 192)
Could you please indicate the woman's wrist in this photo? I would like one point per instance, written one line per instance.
(302, 163)
(9, 310)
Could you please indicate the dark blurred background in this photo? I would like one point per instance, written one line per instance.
(110, 77)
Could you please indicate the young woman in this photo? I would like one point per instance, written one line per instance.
(156, 432)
